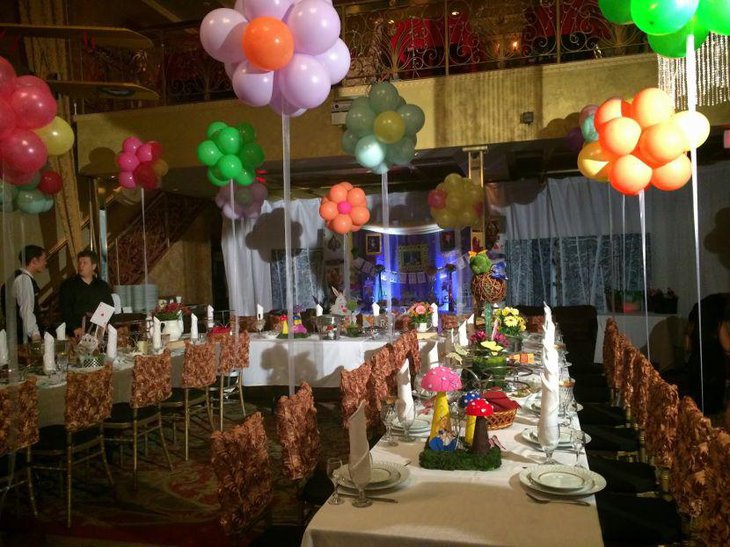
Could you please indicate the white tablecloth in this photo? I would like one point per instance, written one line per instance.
(459, 508)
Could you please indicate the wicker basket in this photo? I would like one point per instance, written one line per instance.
(501, 419)
(487, 289)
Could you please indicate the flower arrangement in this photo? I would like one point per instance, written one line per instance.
(511, 323)
(420, 312)
(171, 311)
(493, 347)
(478, 337)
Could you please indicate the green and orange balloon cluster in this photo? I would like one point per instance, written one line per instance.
(642, 142)
(231, 153)
(668, 23)
(456, 202)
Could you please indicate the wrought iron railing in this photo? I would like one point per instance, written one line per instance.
(388, 39)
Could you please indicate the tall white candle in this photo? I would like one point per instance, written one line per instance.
(318, 310)
(376, 309)
(193, 326)
(259, 311)
(435, 315)
(209, 317)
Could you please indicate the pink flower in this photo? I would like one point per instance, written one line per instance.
(420, 309)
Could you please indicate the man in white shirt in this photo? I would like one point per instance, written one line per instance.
(25, 292)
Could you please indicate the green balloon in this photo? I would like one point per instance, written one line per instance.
(228, 140)
(657, 17)
(47, 204)
(229, 166)
(251, 155)
(715, 15)
(401, 152)
(208, 153)
(617, 12)
(674, 45)
(360, 120)
(214, 127)
(383, 96)
(245, 177)
(247, 132)
(214, 180)
(360, 102)
(381, 169)
(413, 117)
(30, 202)
(349, 141)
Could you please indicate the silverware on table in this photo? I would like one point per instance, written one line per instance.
(372, 498)
(540, 499)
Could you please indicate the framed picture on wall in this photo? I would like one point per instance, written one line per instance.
(373, 244)
(447, 240)
(412, 258)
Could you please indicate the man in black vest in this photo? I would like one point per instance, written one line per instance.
(25, 292)
(82, 293)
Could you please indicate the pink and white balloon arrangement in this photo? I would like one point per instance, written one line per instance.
(282, 53)
(141, 164)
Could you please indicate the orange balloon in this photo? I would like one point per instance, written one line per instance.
(612, 108)
(327, 209)
(673, 175)
(346, 184)
(652, 106)
(629, 175)
(337, 193)
(356, 197)
(341, 224)
(662, 142)
(356, 227)
(359, 215)
(268, 43)
(619, 136)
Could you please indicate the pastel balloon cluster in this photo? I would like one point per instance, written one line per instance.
(668, 23)
(32, 198)
(231, 153)
(344, 208)
(141, 164)
(456, 202)
(246, 202)
(644, 142)
(30, 131)
(381, 128)
(283, 53)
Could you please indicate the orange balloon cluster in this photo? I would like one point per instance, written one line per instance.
(642, 142)
(344, 208)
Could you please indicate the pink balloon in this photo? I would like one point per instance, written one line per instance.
(7, 78)
(33, 107)
(280, 105)
(127, 161)
(126, 180)
(265, 8)
(315, 26)
(336, 61)
(221, 34)
(32, 81)
(304, 82)
(7, 119)
(23, 151)
(131, 144)
(437, 199)
(344, 207)
(252, 210)
(251, 85)
(144, 153)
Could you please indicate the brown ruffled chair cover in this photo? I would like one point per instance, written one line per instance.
(382, 381)
(246, 323)
(151, 379)
(449, 321)
(644, 375)
(296, 426)
(18, 416)
(534, 323)
(199, 366)
(614, 366)
(609, 341)
(88, 398)
(410, 339)
(234, 352)
(353, 390)
(688, 473)
(660, 432)
(713, 524)
(626, 385)
(241, 462)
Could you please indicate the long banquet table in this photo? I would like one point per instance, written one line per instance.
(460, 508)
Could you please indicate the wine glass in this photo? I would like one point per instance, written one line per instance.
(387, 414)
(549, 447)
(565, 395)
(334, 468)
(361, 479)
(61, 347)
(578, 440)
(260, 324)
(407, 417)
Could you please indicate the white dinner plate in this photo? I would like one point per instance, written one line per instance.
(419, 425)
(561, 477)
(530, 435)
(532, 403)
(594, 483)
(383, 475)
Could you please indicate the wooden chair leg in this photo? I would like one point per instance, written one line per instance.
(220, 403)
(69, 480)
(209, 408)
(105, 462)
(164, 443)
(187, 426)
(29, 478)
(135, 434)
(240, 391)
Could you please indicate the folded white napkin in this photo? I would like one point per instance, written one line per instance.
(209, 317)
(376, 309)
(259, 311)
(463, 337)
(318, 310)
(3, 347)
(156, 333)
(49, 354)
(359, 462)
(404, 405)
(61, 332)
(548, 431)
(435, 315)
(111, 342)
(193, 326)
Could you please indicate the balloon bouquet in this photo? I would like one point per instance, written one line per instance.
(634, 144)
(141, 164)
(30, 131)
(344, 208)
(456, 202)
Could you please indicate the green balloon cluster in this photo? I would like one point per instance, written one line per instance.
(27, 198)
(231, 153)
(668, 23)
(480, 264)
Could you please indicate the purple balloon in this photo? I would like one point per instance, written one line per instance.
(251, 85)
(221, 34)
(221, 197)
(127, 161)
(265, 8)
(280, 105)
(131, 144)
(229, 68)
(575, 139)
(259, 192)
(336, 61)
(304, 81)
(252, 210)
(315, 26)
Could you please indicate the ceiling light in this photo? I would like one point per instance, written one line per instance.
(454, 13)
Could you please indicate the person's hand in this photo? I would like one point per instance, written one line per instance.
(78, 332)
(35, 337)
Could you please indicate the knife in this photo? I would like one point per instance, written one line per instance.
(387, 500)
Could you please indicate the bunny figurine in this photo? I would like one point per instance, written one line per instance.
(340, 305)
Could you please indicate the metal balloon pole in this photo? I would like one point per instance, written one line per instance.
(288, 263)
(642, 218)
(385, 208)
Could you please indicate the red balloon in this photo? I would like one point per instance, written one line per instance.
(145, 176)
(126, 180)
(16, 178)
(31, 81)
(7, 119)
(23, 151)
(33, 106)
(7, 78)
(51, 183)
(156, 150)
(437, 199)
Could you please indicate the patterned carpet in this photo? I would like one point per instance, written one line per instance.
(178, 507)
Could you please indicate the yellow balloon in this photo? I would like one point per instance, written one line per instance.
(593, 162)
(455, 201)
(57, 136)
(160, 168)
(694, 125)
(445, 218)
(468, 217)
(452, 181)
(389, 127)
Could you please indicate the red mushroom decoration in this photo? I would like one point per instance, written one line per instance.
(441, 380)
(478, 408)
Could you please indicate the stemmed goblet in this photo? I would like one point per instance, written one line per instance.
(334, 468)
(387, 414)
(578, 440)
(407, 417)
(361, 479)
(260, 324)
(549, 447)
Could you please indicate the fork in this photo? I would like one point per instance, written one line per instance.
(539, 499)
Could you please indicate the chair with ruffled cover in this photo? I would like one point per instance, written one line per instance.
(383, 382)
(234, 356)
(353, 390)
(240, 459)
(713, 524)
(18, 431)
(412, 352)
(151, 384)
(192, 396)
(296, 427)
(88, 404)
